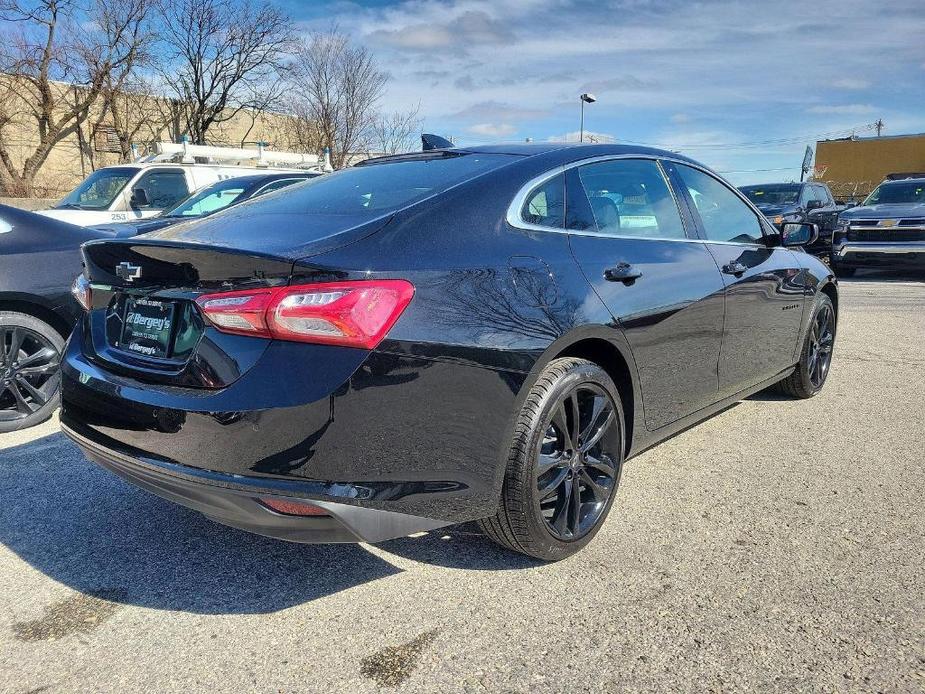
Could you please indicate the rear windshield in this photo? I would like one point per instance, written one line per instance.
(772, 195)
(375, 189)
(897, 193)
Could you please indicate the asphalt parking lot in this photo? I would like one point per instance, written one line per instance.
(778, 546)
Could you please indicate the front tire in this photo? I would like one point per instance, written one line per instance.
(30, 354)
(564, 466)
(816, 355)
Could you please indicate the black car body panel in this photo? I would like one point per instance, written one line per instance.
(420, 425)
(39, 259)
(883, 235)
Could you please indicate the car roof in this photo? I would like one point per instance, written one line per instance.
(890, 181)
(567, 151)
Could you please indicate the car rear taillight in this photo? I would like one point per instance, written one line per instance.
(81, 291)
(352, 314)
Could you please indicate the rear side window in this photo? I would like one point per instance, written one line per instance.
(545, 205)
(628, 197)
(375, 189)
(276, 185)
(724, 215)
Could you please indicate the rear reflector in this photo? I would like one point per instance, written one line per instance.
(293, 508)
(352, 314)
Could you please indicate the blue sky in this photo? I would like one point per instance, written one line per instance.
(738, 85)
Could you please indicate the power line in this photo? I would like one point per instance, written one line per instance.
(758, 143)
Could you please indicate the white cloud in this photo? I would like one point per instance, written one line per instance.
(492, 130)
(850, 83)
(680, 118)
(844, 109)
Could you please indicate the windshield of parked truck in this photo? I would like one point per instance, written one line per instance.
(209, 199)
(98, 190)
(897, 192)
(782, 194)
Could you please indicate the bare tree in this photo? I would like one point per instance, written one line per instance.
(222, 57)
(336, 87)
(61, 41)
(392, 133)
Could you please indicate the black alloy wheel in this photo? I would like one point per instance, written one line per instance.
(30, 355)
(575, 472)
(822, 339)
(564, 465)
(816, 356)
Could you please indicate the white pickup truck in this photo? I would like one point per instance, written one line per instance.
(134, 191)
(128, 192)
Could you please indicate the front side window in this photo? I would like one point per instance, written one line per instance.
(545, 205)
(164, 189)
(724, 215)
(629, 197)
(98, 190)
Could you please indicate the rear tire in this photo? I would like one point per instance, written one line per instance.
(553, 453)
(816, 355)
(30, 384)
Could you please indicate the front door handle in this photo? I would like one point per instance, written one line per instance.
(734, 268)
(622, 272)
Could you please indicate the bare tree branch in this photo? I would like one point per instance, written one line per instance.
(336, 87)
(222, 57)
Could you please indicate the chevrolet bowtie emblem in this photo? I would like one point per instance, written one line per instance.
(887, 222)
(128, 272)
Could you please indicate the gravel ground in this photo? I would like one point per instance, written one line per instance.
(777, 546)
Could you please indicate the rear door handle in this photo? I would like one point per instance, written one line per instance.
(734, 268)
(622, 272)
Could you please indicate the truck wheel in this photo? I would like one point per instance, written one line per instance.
(564, 465)
(30, 354)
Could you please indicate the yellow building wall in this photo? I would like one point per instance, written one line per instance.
(855, 167)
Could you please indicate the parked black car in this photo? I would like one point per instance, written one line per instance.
(809, 202)
(886, 232)
(208, 200)
(39, 259)
(439, 337)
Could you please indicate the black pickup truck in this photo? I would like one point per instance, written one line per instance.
(803, 203)
(887, 231)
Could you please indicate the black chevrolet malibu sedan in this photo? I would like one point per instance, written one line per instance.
(463, 334)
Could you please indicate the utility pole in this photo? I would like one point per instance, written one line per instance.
(879, 126)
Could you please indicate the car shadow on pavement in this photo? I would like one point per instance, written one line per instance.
(91, 531)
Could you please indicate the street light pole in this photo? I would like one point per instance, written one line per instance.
(585, 99)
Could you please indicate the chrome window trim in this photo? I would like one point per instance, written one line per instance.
(514, 219)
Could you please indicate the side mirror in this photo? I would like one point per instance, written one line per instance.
(851, 204)
(799, 234)
(140, 198)
(814, 205)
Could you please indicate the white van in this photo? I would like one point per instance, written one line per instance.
(127, 192)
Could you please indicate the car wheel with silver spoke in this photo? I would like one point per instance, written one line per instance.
(30, 354)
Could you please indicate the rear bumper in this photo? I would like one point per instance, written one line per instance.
(235, 501)
(907, 254)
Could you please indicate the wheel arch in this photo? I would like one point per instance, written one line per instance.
(608, 349)
(35, 307)
(830, 290)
